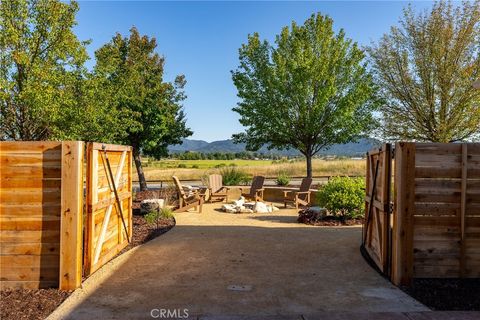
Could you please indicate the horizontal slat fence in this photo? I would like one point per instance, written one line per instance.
(31, 208)
(437, 211)
(42, 211)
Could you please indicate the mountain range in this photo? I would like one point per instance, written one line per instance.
(349, 149)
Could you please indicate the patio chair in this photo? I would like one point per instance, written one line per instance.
(188, 199)
(256, 190)
(216, 187)
(301, 197)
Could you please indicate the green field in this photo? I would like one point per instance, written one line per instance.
(195, 169)
(205, 164)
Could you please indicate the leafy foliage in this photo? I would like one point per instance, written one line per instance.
(308, 92)
(151, 109)
(343, 196)
(41, 68)
(425, 68)
(233, 176)
(283, 179)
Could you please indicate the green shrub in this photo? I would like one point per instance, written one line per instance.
(220, 165)
(283, 179)
(181, 165)
(344, 196)
(233, 176)
(195, 166)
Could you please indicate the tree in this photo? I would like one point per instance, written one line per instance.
(425, 68)
(41, 61)
(149, 107)
(310, 91)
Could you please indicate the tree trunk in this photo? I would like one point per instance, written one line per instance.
(138, 165)
(309, 165)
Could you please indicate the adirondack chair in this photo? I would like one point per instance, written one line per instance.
(301, 197)
(188, 200)
(216, 187)
(256, 190)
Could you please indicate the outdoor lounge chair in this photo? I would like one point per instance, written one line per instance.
(188, 199)
(256, 190)
(216, 187)
(301, 197)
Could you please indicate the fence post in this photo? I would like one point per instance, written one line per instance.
(71, 226)
(404, 207)
(463, 206)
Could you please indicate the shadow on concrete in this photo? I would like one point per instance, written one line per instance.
(273, 270)
(275, 218)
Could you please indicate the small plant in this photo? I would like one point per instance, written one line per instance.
(233, 176)
(220, 165)
(181, 165)
(283, 179)
(166, 213)
(153, 217)
(195, 166)
(344, 197)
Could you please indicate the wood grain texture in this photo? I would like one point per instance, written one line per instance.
(71, 231)
(104, 234)
(446, 214)
(30, 202)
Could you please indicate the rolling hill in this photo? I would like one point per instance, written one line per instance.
(348, 149)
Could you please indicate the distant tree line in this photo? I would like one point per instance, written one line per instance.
(244, 155)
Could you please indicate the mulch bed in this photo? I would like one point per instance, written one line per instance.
(39, 303)
(447, 294)
(143, 232)
(312, 218)
(30, 304)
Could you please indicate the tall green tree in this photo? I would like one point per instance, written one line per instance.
(308, 92)
(41, 61)
(150, 108)
(426, 68)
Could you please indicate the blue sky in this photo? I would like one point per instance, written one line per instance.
(201, 41)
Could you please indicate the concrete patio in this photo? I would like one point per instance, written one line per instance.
(216, 264)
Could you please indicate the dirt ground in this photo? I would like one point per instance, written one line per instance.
(447, 294)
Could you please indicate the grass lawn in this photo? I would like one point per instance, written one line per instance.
(195, 169)
(205, 164)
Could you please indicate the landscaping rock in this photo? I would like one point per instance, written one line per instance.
(149, 205)
(240, 207)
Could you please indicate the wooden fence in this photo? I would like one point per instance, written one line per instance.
(377, 205)
(41, 214)
(435, 225)
(109, 225)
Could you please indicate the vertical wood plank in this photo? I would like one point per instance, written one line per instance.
(71, 226)
(463, 204)
(402, 263)
(386, 186)
(89, 221)
(130, 203)
(368, 177)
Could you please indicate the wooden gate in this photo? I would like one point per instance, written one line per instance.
(108, 226)
(377, 226)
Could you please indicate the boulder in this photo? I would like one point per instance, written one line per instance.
(239, 202)
(149, 205)
(261, 207)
